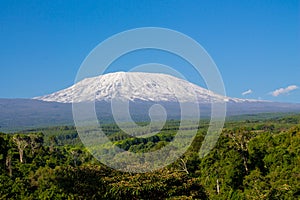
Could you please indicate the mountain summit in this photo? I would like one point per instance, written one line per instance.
(136, 86)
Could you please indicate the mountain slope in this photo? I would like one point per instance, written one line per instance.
(136, 86)
(20, 114)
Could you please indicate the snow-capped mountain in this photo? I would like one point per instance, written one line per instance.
(136, 86)
(142, 89)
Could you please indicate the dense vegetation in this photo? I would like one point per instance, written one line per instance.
(253, 159)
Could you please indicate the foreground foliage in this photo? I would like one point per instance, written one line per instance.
(252, 160)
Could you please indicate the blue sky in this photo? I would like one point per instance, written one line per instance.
(255, 44)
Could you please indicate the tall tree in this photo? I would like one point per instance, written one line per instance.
(22, 141)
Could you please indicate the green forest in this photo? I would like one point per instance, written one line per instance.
(254, 158)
